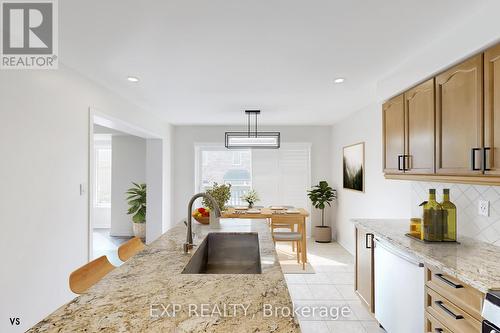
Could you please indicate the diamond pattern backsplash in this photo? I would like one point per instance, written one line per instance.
(466, 198)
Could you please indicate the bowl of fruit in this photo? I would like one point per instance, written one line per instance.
(202, 215)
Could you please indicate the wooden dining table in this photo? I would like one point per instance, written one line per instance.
(280, 216)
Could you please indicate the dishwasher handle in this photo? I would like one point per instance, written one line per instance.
(400, 254)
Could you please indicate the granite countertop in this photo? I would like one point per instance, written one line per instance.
(149, 293)
(471, 261)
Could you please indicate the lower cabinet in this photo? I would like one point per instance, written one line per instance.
(451, 306)
(364, 268)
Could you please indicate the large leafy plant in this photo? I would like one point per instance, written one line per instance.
(221, 193)
(322, 195)
(137, 202)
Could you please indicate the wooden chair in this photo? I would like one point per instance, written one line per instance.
(295, 238)
(130, 248)
(280, 225)
(88, 275)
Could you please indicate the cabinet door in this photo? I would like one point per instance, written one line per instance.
(492, 110)
(459, 118)
(364, 268)
(394, 133)
(419, 108)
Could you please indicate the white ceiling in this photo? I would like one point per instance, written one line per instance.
(204, 62)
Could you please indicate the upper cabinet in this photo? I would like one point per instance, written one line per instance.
(394, 133)
(408, 121)
(459, 109)
(492, 110)
(447, 128)
(419, 120)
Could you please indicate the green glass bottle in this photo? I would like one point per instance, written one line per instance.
(433, 219)
(449, 217)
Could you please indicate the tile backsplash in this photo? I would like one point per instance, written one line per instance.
(466, 198)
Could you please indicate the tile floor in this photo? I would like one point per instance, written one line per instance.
(104, 244)
(332, 287)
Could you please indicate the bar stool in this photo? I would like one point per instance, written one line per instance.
(89, 274)
(130, 248)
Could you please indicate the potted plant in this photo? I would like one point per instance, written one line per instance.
(251, 197)
(221, 193)
(321, 195)
(137, 202)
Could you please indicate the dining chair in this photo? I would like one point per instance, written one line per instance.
(278, 225)
(295, 238)
(89, 274)
(130, 248)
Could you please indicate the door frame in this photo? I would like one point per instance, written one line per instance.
(101, 118)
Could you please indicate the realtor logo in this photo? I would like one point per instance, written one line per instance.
(29, 34)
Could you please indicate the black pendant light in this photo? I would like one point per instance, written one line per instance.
(252, 139)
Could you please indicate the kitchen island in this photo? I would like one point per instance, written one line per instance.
(148, 293)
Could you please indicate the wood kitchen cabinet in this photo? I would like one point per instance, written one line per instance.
(459, 110)
(419, 130)
(364, 268)
(492, 111)
(394, 134)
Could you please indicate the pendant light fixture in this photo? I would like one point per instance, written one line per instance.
(252, 139)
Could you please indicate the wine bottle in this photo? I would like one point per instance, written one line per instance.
(449, 217)
(433, 219)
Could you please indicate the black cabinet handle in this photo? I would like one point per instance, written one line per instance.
(448, 282)
(485, 168)
(473, 158)
(448, 311)
(368, 243)
(399, 162)
(438, 330)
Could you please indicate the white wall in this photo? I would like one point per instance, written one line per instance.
(154, 181)
(186, 136)
(44, 147)
(382, 198)
(479, 30)
(128, 165)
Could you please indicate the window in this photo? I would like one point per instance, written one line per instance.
(217, 164)
(236, 158)
(102, 149)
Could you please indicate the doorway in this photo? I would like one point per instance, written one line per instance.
(121, 155)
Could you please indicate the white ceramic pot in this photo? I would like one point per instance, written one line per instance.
(139, 230)
(323, 234)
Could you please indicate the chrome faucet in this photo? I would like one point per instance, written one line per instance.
(214, 214)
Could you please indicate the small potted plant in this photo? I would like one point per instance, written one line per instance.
(221, 193)
(137, 202)
(251, 197)
(322, 195)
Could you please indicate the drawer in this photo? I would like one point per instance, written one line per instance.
(451, 316)
(462, 295)
(432, 325)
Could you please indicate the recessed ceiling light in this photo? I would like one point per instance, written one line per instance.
(132, 79)
(339, 80)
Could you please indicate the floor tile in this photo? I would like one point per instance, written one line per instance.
(296, 278)
(341, 277)
(325, 292)
(345, 327)
(360, 311)
(318, 278)
(315, 326)
(372, 327)
(300, 292)
(347, 291)
(323, 310)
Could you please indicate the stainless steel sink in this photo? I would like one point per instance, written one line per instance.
(226, 253)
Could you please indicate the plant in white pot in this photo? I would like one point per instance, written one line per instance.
(322, 195)
(137, 202)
